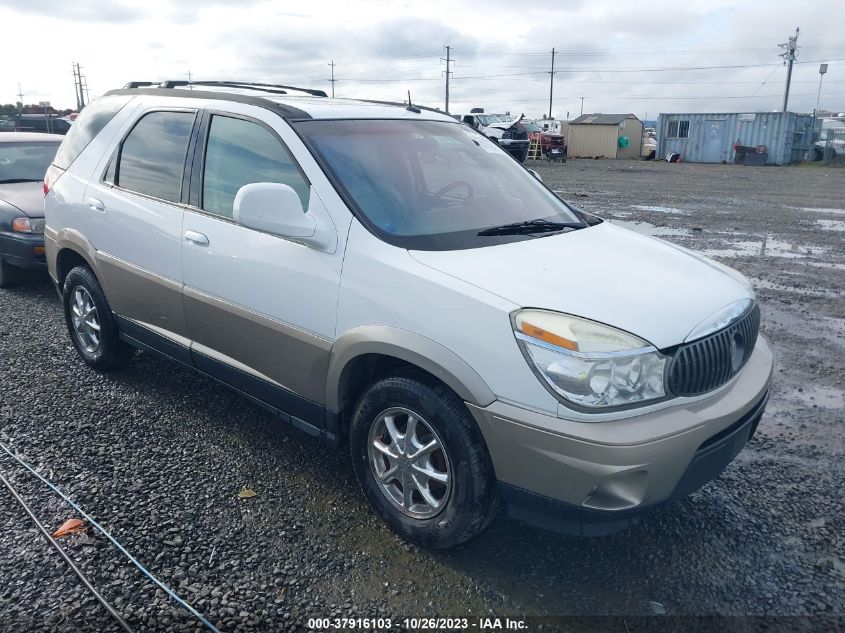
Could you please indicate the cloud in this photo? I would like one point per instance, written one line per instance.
(90, 10)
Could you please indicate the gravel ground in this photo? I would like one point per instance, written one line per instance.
(158, 455)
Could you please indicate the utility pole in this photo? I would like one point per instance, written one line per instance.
(788, 58)
(20, 98)
(190, 81)
(449, 61)
(75, 85)
(582, 105)
(79, 84)
(332, 64)
(822, 71)
(551, 83)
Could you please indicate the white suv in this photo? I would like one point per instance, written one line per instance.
(385, 276)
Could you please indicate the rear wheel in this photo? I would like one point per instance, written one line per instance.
(421, 461)
(90, 323)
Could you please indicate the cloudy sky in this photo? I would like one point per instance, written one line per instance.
(635, 56)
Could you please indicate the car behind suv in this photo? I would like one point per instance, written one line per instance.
(387, 277)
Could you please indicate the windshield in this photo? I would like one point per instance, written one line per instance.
(25, 161)
(431, 185)
(487, 119)
(531, 127)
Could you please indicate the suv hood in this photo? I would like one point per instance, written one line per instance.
(639, 284)
(28, 197)
(506, 125)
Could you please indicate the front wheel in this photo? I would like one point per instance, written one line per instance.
(90, 323)
(421, 461)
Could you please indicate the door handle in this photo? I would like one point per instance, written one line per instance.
(95, 204)
(196, 238)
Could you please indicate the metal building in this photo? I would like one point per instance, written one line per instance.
(604, 135)
(711, 138)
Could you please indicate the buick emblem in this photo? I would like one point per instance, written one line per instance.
(737, 351)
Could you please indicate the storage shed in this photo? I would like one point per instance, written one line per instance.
(713, 137)
(604, 135)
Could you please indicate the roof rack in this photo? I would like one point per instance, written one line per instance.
(405, 105)
(246, 85)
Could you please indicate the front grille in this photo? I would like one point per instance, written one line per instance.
(515, 134)
(710, 362)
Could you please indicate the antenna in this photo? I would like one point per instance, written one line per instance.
(411, 107)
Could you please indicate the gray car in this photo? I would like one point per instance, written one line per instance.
(24, 157)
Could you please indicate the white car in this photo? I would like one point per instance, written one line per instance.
(507, 132)
(386, 278)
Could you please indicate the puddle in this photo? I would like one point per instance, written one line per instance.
(766, 247)
(765, 284)
(820, 210)
(658, 209)
(832, 225)
(646, 228)
(825, 265)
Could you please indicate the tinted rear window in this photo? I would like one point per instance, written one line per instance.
(152, 158)
(88, 124)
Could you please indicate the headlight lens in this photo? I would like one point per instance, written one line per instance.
(28, 225)
(590, 364)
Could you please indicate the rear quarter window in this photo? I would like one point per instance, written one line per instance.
(88, 124)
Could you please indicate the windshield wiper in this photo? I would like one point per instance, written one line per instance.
(530, 226)
(9, 181)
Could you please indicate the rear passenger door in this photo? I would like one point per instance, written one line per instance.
(134, 220)
(261, 309)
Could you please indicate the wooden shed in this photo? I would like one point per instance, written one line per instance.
(605, 136)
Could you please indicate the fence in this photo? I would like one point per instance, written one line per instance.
(833, 148)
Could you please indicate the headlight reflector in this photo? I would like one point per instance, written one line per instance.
(590, 364)
(28, 225)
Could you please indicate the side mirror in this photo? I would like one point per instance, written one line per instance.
(273, 208)
(535, 174)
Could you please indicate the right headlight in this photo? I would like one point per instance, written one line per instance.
(588, 363)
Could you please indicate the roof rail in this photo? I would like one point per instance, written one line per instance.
(246, 85)
(405, 105)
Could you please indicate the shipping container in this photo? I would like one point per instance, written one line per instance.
(713, 137)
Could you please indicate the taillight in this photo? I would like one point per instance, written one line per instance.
(51, 177)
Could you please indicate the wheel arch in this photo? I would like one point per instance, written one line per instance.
(357, 354)
(65, 250)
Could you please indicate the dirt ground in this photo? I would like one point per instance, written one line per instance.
(158, 454)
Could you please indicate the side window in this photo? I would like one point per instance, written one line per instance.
(241, 152)
(152, 157)
(672, 132)
(108, 177)
(88, 124)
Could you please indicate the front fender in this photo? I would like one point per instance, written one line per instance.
(405, 345)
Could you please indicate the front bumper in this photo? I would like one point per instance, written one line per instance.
(23, 250)
(595, 477)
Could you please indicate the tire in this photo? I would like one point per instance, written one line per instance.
(9, 275)
(85, 302)
(818, 154)
(521, 155)
(467, 503)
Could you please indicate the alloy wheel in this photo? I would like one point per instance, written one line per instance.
(86, 322)
(409, 462)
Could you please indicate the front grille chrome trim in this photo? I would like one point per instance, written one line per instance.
(707, 363)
